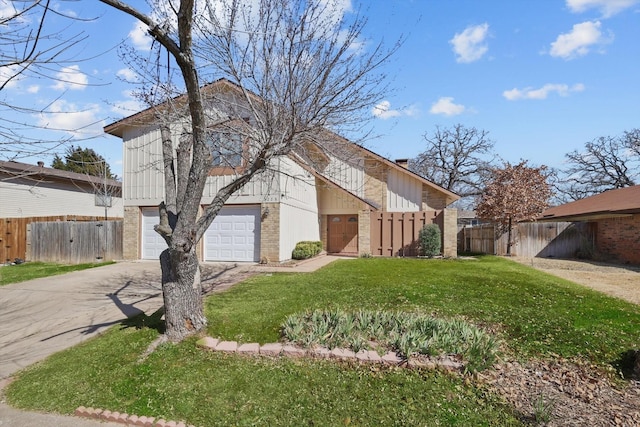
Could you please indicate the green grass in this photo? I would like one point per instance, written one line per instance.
(534, 313)
(537, 314)
(180, 382)
(34, 270)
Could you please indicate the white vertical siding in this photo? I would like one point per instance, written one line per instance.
(296, 185)
(404, 193)
(296, 225)
(348, 174)
(143, 180)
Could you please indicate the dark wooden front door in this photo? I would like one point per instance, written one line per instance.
(343, 234)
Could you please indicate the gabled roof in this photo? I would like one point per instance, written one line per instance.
(451, 196)
(117, 129)
(140, 118)
(15, 170)
(611, 203)
(330, 183)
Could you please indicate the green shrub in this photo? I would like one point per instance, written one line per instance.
(430, 240)
(306, 249)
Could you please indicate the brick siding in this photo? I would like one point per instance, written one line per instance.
(270, 232)
(620, 238)
(450, 232)
(364, 232)
(131, 233)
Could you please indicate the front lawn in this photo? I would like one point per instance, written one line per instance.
(34, 270)
(535, 314)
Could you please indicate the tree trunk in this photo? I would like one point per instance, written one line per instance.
(182, 294)
(509, 239)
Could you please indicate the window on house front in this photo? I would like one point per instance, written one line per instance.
(226, 149)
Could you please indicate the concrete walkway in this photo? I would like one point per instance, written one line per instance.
(43, 316)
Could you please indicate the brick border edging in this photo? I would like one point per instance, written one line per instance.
(391, 358)
(362, 356)
(126, 419)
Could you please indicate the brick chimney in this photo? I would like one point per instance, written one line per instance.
(403, 162)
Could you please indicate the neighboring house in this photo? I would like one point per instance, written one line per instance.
(614, 220)
(31, 193)
(332, 198)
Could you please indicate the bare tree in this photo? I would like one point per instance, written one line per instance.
(291, 70)
(28, 48)
(605, 163)
(458, 159)
(514, 193)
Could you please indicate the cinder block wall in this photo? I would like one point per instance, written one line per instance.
(131, 233)
(620, 238)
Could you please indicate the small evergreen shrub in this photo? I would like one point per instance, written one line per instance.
(430, 240)
(306, 249)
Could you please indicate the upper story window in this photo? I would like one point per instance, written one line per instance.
(226, 150)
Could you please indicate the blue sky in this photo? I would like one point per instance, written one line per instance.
(541, 76)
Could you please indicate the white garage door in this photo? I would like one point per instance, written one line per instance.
(152, 243)
(234, 235)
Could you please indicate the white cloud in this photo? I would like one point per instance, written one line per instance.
(383, 111)
(8, 76)
(139, 37)
(128, 75)
(470, 45)
(543, 92)
(33, 89)
(579, 41)
(71, 78)
(608, 8)
(447, 107)
(7, 9)
(127, 106)
(70, 118)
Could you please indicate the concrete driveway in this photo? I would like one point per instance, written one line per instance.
(42, 316)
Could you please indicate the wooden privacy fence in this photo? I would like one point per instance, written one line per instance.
(477, 239)
(13, 234)
(396, 233)
(531, 239)
(73, 242)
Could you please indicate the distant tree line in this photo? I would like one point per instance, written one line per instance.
(463, 160)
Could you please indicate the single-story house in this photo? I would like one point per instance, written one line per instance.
(334, 200)
(35, 193)
(614, 219)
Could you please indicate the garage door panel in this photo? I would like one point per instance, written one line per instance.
(152, 243)
(233, 235)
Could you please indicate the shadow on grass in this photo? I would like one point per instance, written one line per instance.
(626, 364)
(141, 321)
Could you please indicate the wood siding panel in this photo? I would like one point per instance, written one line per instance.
(396, 233)
(143, 170)
(348, 174)
(404, 193)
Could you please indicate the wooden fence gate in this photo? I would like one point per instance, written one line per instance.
(73, 242)
(396, 233)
